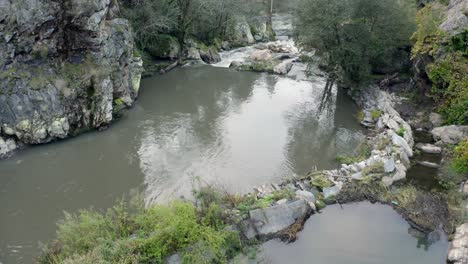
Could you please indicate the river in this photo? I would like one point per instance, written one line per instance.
(235, 130)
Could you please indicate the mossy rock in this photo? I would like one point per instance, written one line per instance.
(321, 182)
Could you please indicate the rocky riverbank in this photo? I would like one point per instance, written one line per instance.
(381, 177)
(67, 67)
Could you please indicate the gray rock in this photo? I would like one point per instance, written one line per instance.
(387, 181)
(174, 259)
(271, 220)
(429, 164)
(284, 67)
(77, 82)
(240, 33)
(307, 196)
(357, 176)
(429, 148)
(210, 55)
(260, 55)
(457, 20)
(329, 192)
(400, 173)
(436, 119)
(401, 142)
(7, 146)
(389, 165)
(458, 249)
(450, 134)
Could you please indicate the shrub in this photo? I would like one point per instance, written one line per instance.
(401, 131)
(145, 236)
(460, 162)
(450, 87)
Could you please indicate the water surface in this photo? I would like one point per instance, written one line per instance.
(233, 129)
(361, 233)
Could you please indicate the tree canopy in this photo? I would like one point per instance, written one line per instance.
(354, 37)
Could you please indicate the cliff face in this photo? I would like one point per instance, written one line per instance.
(66, 66)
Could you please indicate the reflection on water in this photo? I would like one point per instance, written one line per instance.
(361, 233)
(234, 129)
(241, 133)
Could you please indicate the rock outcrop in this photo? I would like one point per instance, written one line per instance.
(458, 250)
(67, 66)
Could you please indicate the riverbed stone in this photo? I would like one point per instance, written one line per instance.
(436, 119)
(284, 67)
(271, 220)
(429, 164)
(260, 55)
(429, 148)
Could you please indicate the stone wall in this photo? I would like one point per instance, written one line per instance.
(67, 66)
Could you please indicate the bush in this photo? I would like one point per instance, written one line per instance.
(450, 87)
(355, 37)
(460, 162)
(145, 236)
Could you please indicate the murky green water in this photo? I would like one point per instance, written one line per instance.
(233, 129)
(361, 233)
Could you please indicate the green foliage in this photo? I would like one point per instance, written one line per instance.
(376, 168)
(362, 153)
(460, 162)
(376, 113)
(354, 37)
(459, 42)
(250, 202)
(450, 87)
(144, 236)
(320, 181)
(428, 36)
(401, 131)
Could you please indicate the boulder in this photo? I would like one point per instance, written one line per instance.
(330, 192)
(307, 196)
(283, 68)
(193, 54)
(240, 32)
(429, 148)
(450, 134)
(210, 55)
(457, 20)
(271, 220)
(260, 55)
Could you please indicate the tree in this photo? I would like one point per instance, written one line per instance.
(354, 37)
